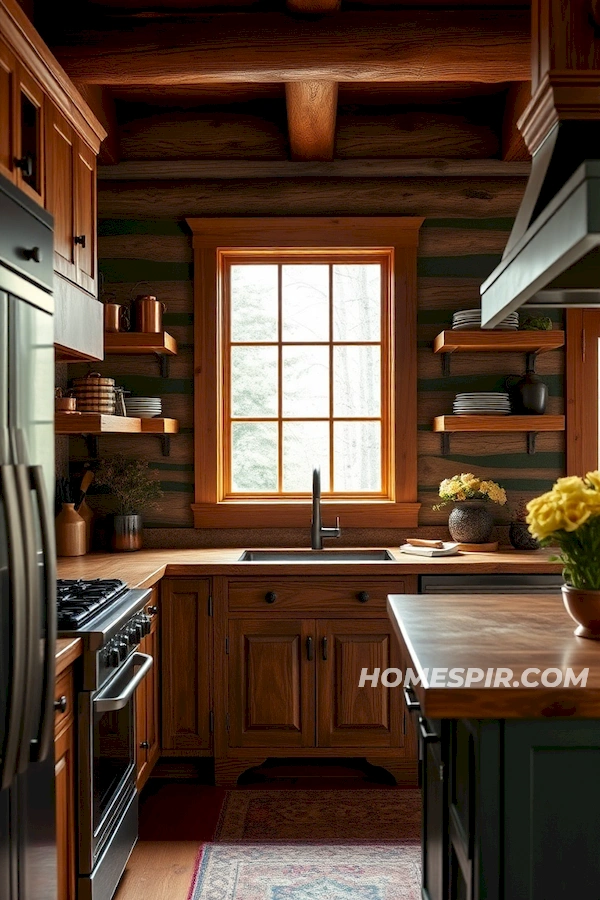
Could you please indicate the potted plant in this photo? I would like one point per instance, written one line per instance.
(568, 516)
(470, 522)
(519, 534)
(130, 483)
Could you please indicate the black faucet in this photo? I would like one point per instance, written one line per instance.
(317, 530)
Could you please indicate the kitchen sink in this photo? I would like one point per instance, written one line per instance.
(300, 556)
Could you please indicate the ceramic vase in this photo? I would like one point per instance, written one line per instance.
(127, 533)
(88, 517)
(521, 538)
(532, 395)
(471, 522)
(71, 538)
(584, 608)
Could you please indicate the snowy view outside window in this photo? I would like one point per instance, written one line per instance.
(305, 377)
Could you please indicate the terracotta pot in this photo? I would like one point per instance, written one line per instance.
(127, 533)
(584, 608)
(470, 522)
(71, 538)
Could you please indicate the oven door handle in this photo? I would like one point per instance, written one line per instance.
(106, 701)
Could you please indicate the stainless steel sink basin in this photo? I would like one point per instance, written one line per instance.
(300, 556)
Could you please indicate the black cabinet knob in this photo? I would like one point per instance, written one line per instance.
(79, 239)
(33, 253)
(60, 705)
(270, 596)
(25, 164)
(152, 610)
(144, 745)
(362, 596)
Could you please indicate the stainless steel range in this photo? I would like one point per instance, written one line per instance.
(111, 619)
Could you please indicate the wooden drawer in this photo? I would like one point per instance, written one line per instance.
(326, 596)
(64, 688)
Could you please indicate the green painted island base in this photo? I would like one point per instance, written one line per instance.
(511, 809)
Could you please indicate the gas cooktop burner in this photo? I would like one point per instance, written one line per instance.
(80, 601)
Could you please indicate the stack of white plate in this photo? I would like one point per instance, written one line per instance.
(482, 404)
(143, 407)
(470, 319)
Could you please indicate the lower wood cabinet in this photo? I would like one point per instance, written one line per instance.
(148, 699)
(65, 774)
(186, 664)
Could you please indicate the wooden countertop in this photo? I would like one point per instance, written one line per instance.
(145, 567)
(489, 631)
(67, 651)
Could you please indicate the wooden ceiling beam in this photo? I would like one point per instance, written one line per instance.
(311, 114)
(484, 45)
(314, 7)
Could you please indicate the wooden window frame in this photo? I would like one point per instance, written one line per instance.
(583, 334)
(398, 234)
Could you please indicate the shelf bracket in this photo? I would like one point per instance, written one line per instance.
(165, 440)
(93, 445)
(530, 361)
(531, 441)
(446, 364)
(445, 443)
(164, 364)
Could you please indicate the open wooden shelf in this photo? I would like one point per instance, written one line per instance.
(448, 425)
(138, 343)
(478, 341)
(159, 426)
(95, 423)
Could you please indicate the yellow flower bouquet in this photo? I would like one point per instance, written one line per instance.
(468, 487)
(569, 516)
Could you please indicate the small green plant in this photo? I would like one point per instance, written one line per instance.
(131, 484)
(569, 516)
(535, 323)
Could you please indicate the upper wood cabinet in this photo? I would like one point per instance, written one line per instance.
(29, 132)
(85, 217)
(8, 78)
(61, 152)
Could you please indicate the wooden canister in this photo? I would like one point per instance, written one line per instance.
(71, 532)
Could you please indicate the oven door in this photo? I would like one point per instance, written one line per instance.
(107, 775)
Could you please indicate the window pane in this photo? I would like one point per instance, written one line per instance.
(305, 446)
(357, 381)
(357, 456)
(253, 381)
(254, 303)
(305, 382)
(305, 303)
(254, 456)
(357, 302)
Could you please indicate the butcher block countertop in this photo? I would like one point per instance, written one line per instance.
(67, 651)
(145, 567)
(491, 631)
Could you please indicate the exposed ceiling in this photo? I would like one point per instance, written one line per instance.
(313, 80)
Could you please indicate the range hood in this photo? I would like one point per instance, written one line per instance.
(552, 257)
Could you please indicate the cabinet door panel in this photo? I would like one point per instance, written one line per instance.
(85, 219)
(8, 65)
(64, 771)
(349, 715)
(30, 135)
(60, 199)
(186, 661)
(153, 693)
(271, 683)
(141, 701)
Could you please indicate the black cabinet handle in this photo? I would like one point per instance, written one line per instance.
(25, 164)
(79, 239)
(309, 649)
(430, 737)
(412, 704)
(362, 596)
(144, 745)
(60, 705)
(152, 610)
(325, 649)
(270, 597)
(34, 254)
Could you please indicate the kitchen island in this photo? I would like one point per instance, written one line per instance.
(510, 774)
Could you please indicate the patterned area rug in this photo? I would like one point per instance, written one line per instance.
(313, 845)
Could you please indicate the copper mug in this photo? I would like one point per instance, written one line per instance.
(148, 314)
(116, 318)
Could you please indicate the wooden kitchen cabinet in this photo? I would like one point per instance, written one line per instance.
(147, 700)
(85, 218)
(65, 774)
(8, 80)
(271, 683)
(60, 189)
(29, 132)
(186, 654)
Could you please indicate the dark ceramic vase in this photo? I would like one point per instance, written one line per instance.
(531, 394)
(521, 538)
(470, 522)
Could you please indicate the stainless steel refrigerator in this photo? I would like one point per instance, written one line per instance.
(27, 553)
